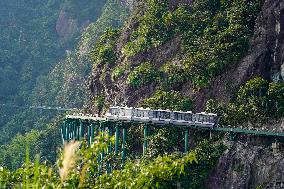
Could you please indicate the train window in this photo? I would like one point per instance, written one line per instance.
(114, 111)
(188, 117)
(122, 112)
(212, 119)
(156, 114)
(207, 118)
(201, 118)
(166, 115)
(176, 116)
(128, 112)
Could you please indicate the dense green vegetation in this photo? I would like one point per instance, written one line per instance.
(168, 100)
(214, 35)
(256, 101)
(75, 170)
(58, 77)
(143, 75)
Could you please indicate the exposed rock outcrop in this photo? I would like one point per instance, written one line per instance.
(264, 58)
(245, 166)
(66, 26)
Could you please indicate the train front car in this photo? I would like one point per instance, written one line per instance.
(143, 115)
(182, 118)
(205, 120)
(113, 113)
(161, 116)
(125, 114)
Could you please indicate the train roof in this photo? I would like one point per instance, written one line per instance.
(160, 110)
(141, 108)
(112, 107)
(187, 112)
(125, 107)
(204, 113)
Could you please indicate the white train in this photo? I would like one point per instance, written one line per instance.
(147, 115)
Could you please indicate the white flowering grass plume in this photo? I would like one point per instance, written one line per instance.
(69, 160)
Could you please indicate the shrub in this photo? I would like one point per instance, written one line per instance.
(214, 34)
(168, 100)
(104, 50)
(144, 74)
(256, 100)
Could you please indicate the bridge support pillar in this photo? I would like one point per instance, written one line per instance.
(73, 130)
(109, 151)
(232, 136)
(92, 133)
(186, 140)
(68, 132)
(89, 135)
(124, 133)
(116, 139)
(110, 135)
(145, 144)
(62, 132)
(81, 129)
(102, 132)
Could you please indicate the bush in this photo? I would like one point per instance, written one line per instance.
(104, 50)
(256, 101)
(173, 76)
(168, 100)
(144, 74)
(214, 34)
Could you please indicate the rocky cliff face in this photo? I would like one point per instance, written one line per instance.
(264, 57)
(245, 165)
(66, 26)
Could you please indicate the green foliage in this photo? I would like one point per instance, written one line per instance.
(256, 101)
(255, 87)
(100, 102)
(219, 36)
(31, 73)
(174, 75)
(165, 171)
(214, 34)
(208, 153)
(44, 142)
(164, 140)
(104, 50)
(143, 75)
(151, 31)
(117, 72)
(168, 100)
(120, 70)
(83, 10)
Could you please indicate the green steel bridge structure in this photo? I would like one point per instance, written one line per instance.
(86, 127)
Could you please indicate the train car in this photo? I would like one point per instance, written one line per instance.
(182, 118)
(113, 113)
(125, 114)
(205, 120)
(161, 116)
(144, 115)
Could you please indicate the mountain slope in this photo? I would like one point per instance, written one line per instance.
(76, 26)
(171, 53)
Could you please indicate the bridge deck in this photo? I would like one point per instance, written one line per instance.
(220, 129)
